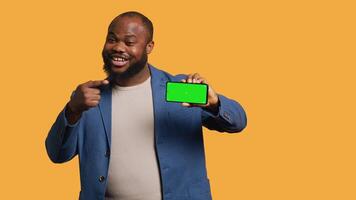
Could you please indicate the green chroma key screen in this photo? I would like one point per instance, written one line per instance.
(196, 93)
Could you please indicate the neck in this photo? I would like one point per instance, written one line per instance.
(138, 78)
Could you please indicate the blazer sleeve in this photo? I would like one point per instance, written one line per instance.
(62, 140)
(230, 117)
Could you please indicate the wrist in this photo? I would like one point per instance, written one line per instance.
(214, 107)
(71, 116)
(71, 109)
(215, 103)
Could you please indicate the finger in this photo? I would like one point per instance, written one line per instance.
(185, 104)
(93, 91)
(93, 103)
(95, 98)
(189, 78)
(94, 84)
(195, 77)
(202, 80)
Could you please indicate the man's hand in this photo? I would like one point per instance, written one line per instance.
(213, 100)
(86, 96)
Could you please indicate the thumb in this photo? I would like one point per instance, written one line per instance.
(94, 84)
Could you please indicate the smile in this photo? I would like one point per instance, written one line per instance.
(119, 61)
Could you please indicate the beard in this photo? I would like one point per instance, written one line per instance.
(131, 71)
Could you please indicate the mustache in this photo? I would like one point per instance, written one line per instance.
(133, 69)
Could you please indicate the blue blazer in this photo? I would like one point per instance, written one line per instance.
(178, 141)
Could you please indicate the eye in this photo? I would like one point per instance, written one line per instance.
(110, 40)
(130, 43)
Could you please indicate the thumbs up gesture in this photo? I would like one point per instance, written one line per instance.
(86, 96)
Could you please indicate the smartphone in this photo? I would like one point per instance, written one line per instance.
(195, 93)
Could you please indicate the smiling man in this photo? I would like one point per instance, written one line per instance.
(131, 143)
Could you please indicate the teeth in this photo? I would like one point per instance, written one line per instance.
(119, 59)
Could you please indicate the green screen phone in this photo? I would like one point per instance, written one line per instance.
(196, 93)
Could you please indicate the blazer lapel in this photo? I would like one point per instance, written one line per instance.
(105, 111)
(158, 84)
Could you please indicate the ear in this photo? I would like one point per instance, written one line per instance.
(149, 46)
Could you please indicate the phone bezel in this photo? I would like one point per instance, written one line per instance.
(206, 98)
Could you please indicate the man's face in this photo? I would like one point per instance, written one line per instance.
(126, 48)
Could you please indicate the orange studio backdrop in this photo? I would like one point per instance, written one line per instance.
(291, 64)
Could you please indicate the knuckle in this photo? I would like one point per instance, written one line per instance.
(86, 95)
(82, 86)
(86, 102)
(79, 87)
(88, 82)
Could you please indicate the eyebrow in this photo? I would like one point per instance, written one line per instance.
(126, 36)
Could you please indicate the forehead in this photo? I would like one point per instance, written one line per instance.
(128, 26)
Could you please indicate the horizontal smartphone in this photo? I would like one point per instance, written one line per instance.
(195, 93)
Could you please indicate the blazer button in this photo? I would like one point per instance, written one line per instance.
(107, 153)
(227, 115)
(101, 178)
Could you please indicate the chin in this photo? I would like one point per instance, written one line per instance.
(119, 70)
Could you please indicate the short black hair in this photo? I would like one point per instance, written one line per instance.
(146, 22)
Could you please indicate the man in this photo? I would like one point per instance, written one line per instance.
(131, 143)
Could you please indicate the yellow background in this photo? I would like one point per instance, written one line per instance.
(291, 64)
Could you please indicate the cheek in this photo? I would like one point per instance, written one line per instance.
(136, 52)
(107, 47)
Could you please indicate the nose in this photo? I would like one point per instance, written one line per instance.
(119, 47)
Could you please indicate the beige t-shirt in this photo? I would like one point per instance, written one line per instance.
(133, 169)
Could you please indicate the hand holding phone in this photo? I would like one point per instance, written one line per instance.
(196, 92)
